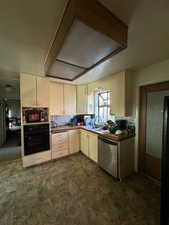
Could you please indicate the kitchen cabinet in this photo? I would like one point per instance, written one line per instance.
(56, 98)
(93, 147)
(84, 142)
(60, 145)
(74, 141)
(62, 99)
(121, 94)
(89, 145)
(34, 91)
(82, 99)
(120, 86)
(28, 90)
(42, 92)
(69, 99)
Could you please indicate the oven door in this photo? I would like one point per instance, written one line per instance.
(36, 139)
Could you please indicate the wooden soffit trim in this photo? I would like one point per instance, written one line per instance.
(95, 15)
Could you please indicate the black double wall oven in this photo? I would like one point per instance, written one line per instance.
(36, 138)
(36, 131)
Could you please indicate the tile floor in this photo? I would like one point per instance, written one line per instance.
(75, 191)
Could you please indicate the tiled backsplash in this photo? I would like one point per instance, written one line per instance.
(60, 120)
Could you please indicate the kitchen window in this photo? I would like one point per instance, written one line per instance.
(102, 106)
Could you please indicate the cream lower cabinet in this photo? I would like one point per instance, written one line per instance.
(93, 147)
(60, 145)
(65, 143)
(74, 141)
(84, 142)
(89, 145)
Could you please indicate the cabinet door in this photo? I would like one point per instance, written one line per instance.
(74, 141)
(69, 99)
(42, 92)
(117, 97)
(56, 98)
(28, 90)
(84, 145)
(93, 147)
(82, 99)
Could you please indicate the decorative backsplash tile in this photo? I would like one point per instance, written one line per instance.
(60, 120)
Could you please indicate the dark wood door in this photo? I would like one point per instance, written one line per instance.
(165, 167)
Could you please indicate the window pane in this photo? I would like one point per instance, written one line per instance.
(102, 108)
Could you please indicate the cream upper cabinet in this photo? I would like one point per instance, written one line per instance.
(69, 99)
(42, 92)
(74, 141)
(121, 95)
(28, 90)
(82, 99)
(34, 91)
(62, 99)
(117, 96)
(56, 98)
(93, 147)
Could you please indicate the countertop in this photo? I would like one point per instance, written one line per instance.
(97, 131)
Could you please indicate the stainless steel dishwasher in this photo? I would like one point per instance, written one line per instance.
(108, 156)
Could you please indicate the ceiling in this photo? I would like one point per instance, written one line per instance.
(13, 92)
(27, 29)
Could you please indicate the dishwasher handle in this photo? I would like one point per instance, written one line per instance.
(108, 141)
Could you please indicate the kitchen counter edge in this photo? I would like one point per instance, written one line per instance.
(108, 136)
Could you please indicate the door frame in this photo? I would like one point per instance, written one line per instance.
(165, 166)
(143, 91)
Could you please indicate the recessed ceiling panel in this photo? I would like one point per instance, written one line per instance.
(85, 47)
(64, 70)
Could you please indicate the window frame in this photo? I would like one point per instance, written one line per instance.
(104, 106)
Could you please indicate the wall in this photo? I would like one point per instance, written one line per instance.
(155, 73)
(110, 83)
(14, 108)
(107, 82)
(14, 93)
(152, 74)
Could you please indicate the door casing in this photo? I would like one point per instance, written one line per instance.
(146, 161)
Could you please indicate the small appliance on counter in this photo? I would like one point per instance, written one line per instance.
(119, 128)
(90, 120)
(34, 115)
(81, 120)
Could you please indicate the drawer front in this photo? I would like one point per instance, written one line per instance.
(60, 147)
(56, 155)
(60, 142)
(61, 137)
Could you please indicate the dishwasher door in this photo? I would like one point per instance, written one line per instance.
(108, 156)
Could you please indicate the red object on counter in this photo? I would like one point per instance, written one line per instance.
(80, 124)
